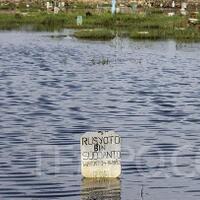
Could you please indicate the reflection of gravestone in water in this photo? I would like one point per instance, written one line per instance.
(101, 154)
(100, 189)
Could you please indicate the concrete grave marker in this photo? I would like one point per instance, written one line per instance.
(79, 20)
(48, 5)
(173, 4)
(100, 154)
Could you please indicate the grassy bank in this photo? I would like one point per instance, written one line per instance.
(149, 25)
(39, 21)
(188, 34)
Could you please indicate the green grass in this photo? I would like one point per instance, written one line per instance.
(151, 21)
(104, 20)
(39, 19)
(147, 35)
(188, 34)
(158, 25)
(101, 34)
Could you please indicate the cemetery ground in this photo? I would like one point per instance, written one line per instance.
(153, 24)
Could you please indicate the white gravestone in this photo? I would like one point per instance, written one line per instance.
(173, 4)
(48, 5)
(56, 10)
(100, 154)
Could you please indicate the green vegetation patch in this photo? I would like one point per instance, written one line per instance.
(181, 35)
(147, 35)
(187, 35)
(101, 34)
(38, 21)
(146, 25)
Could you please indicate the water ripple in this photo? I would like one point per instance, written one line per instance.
(51, 92)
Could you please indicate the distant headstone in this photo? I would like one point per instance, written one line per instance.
(117, 10)
(183, 5)
(79, 20)
(183, 11)
(100, 154)
(63, 4)
(134, 6)
(56, 10)
(173, 4)
(48, 5)
(113, 8)
(170, 14)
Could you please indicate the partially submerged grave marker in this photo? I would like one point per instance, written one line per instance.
(101, 154)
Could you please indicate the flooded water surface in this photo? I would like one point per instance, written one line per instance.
(54, 89)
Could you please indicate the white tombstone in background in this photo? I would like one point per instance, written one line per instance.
(79, 20)
(117, 10)
(170, 14)
(100, 154)
(63, 4)
(183, 8)
(173, 4)
(184, 5)
(48, 5)
(113, 8)
(56, 10)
